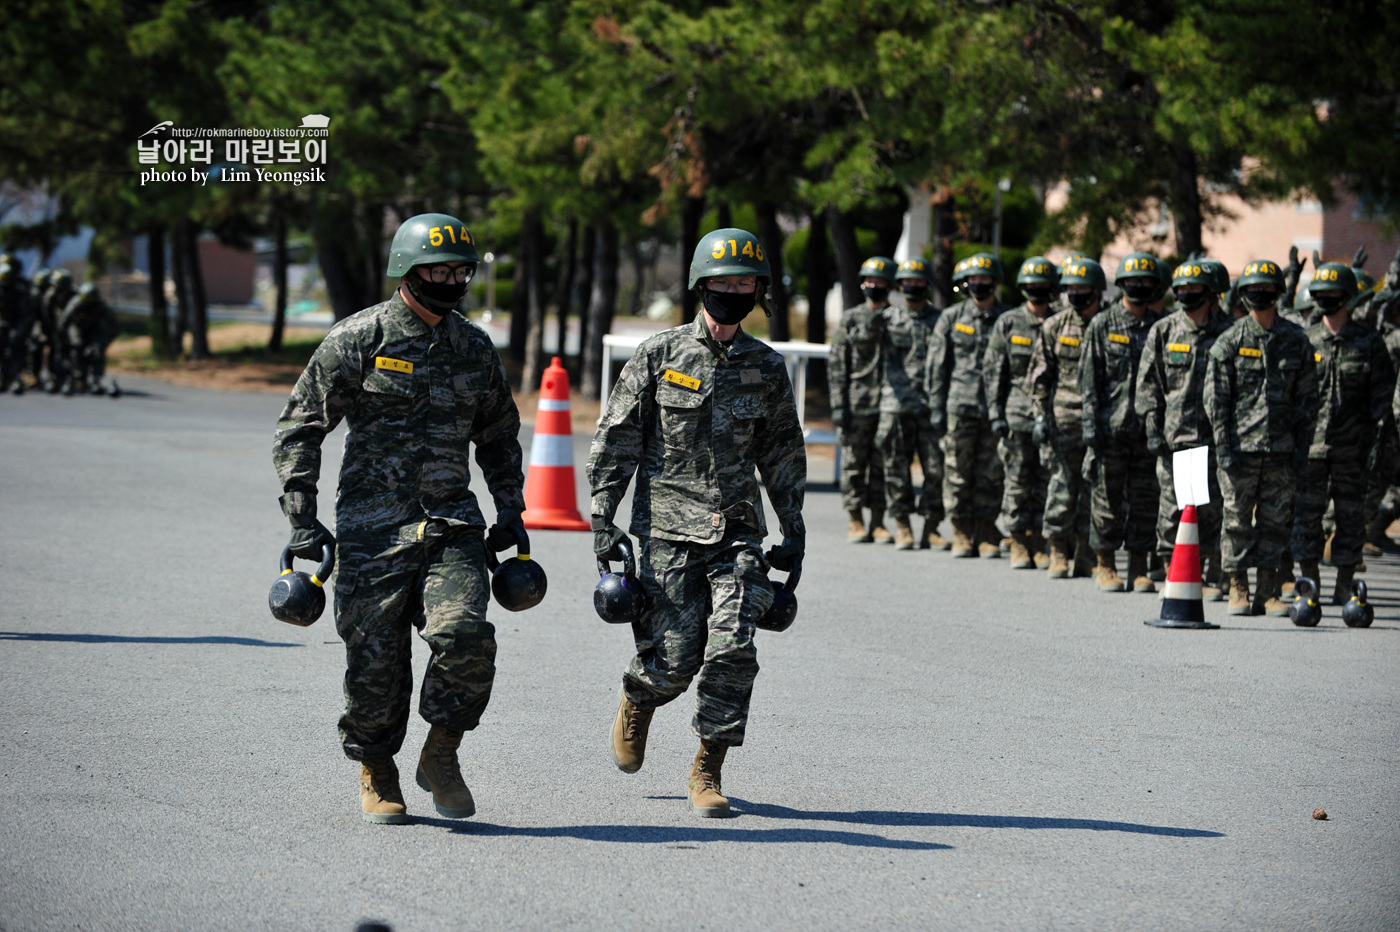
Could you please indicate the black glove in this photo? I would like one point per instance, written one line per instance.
(1294, 265)
(1157, 445)
(507, 532)
(1000, 427)
(1040, 431)
(606, 537)
(938, 423)
(309, 537)
(1358, 261)
(1317, 259)
(788, 553)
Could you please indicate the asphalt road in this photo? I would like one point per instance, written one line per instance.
(934, 744)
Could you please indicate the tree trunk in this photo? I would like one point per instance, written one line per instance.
(602, 305)
(818, 284)
(1186, 200)
(279, 280)
(564, 294)
(179, 273)
(691, 215)
(520, 295)
(585, 284)
(843, 244)
(723, 215)
(347, 250)
(945, 231)
(159, 324)
(639, 278)
(771, 236)
(199, 303)
(534, 303)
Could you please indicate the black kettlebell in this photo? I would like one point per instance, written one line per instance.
(1305, 611)
(1358, 613)
(518, 583)
(618, 598)
(298, 598)
(783, 612)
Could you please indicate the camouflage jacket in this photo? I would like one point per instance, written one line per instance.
(93, 319)
(1354, 381)
(1009, 348)
(954, 375)
(856, 362)
(413, 396)
(1053, 376)
(1261, 388)
(1108, 371)
(1172, 379)
(908, 337)
(693, 420)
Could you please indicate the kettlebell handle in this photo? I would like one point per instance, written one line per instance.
(323, 572)
(629, 561)
(794, 577)
(1358, 591)
(522, 552)
(1306, 588)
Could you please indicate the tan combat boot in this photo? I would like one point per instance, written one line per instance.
(855, 528)
(988, 539)
(439, 774)
(1286, 579)
(706, 800)
(1038, 550)
(1266, 599)
(1020, 553)
(629, 736)
(1059, 559)
(1084, 559)
(1212, 586)
(1239, 593)
(903, 534)
(1106, 573)
(962, 538)
(381, 800)
(930, 539)
(878, 533)
(1341, 592)
(1137, 572)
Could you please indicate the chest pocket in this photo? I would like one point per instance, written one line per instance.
(1251, 372)
(471, 383)
(682, 414)
(749, 407)
(390, 387)
(1178, 358)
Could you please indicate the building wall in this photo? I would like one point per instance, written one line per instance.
(228, 272)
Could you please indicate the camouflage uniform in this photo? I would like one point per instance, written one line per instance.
(905, 432)
(972, 473)
(87, 327)
(1171, 402)
(1124, 476)
(16, 319)
(1354, 381)
(1261, 401)
(1014, 338)
(1053, 381)
(693, 420)
(856, 374)
(410, 550)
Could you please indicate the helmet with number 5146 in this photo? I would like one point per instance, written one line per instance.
(729, 252)
(429, 239)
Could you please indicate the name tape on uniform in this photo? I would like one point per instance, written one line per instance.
(1118, 338)
(1317, 357)
(1021, 341)
(680, 378)
(1069, 341)
(393, 365)
(1251, 353)
(964, 328)
(1178, 347)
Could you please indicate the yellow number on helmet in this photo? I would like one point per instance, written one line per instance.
(748, 248)
(758, 252)
(435, 236)
(718, 250)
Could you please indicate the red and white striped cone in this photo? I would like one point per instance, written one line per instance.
(550, 500)
(1182, 606)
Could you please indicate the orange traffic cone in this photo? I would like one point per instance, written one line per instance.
(1182, 606)
(550, 501)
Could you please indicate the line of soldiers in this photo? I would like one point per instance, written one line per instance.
(52, 332)
(1060, 417)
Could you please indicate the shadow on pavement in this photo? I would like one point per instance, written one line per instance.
(657, 835)
(119, 639)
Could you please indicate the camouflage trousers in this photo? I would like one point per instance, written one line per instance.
(702, 602)
(1067, 492)
(972, 473)
(432, 577)
(902, 438)
(862, 467)
(1257, 503)
(1027, 477)
(1124, 481)
(1169, 515)
(1341, 477)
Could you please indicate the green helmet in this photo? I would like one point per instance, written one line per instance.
(63, 277)
(428, 239)
(979, 264)
(41, 277)
(1261, 272)
(88, 290)
(1365, 287)
(1037, 270)
(1138, 265)
(728, 252)
(1072, 257)
(878, 267)
(1331, 276)
(1193, 273)
(1218, 275)
(1083, 272)
(914, 268)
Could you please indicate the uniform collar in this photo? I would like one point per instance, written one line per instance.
(742, 341)
(404, 321)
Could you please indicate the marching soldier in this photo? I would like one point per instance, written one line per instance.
(905, 432)
(972, 471)
(1261, 400)
(697, 411)
(16, 319)
(86, 328)
(856, 374)
(1124, 473)
(1014, 338)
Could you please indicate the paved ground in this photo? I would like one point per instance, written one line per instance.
(935, 744)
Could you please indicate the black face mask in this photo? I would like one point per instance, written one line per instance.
(436, 296)
(982, 290)
(1259, 300)
(1192, 299)
(876, 295)
(1037, 295)
(1329, 303)
(729, 307)
(916, 292)
(1140, 293)
(1080, 300)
